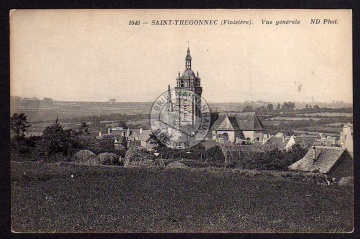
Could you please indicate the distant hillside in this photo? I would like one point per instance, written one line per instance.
(42, 111)
(47, 110)
(256, 104)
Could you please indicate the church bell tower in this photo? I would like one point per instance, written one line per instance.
(189, 110)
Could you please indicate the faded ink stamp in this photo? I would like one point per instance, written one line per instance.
(180, 118)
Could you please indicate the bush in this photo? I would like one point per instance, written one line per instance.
(197, 152)
(110, 159)
(271, 160)
(24, 149)
(138, 156)
(176, 164)
(159, 162)
(54, 158)
(86, 157)
(215, 154)
(98, 146)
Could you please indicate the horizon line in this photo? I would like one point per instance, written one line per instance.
(211, 102)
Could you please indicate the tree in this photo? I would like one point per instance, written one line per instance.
(278, 106)
(48, 101)
(270, 107)
(260, 109)
(19, 124)
(316, 107)
(112, 101)
(83, 129)
(291, 105)
(288, 106)
(56, 139)
(247, 108)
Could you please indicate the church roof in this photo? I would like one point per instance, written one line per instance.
(238, 121)
(226, 124)
(218, 122)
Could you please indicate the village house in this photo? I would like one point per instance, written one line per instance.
(346, 138)
(237, 127)
(329, 141)
(144, 138)
(334, 162)
(282, 142)
(123, 137)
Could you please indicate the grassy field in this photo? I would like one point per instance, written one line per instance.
(74, 198)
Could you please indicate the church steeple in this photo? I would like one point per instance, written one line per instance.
(188, 59)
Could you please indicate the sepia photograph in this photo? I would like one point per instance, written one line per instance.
(181, 121)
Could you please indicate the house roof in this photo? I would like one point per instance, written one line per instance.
(145, 135)
(318, 158)
(238, 121)
(277, 142)
(117, 132)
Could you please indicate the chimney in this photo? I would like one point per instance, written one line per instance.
(100, 133)
(141, 130)
(314, 153)
(109, 130)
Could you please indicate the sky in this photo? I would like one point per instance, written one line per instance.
(95, 55)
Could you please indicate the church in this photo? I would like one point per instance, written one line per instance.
(237, 127)
(233, 127)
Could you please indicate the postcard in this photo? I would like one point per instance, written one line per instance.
(200, 121)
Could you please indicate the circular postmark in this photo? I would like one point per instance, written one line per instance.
(180, 118)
